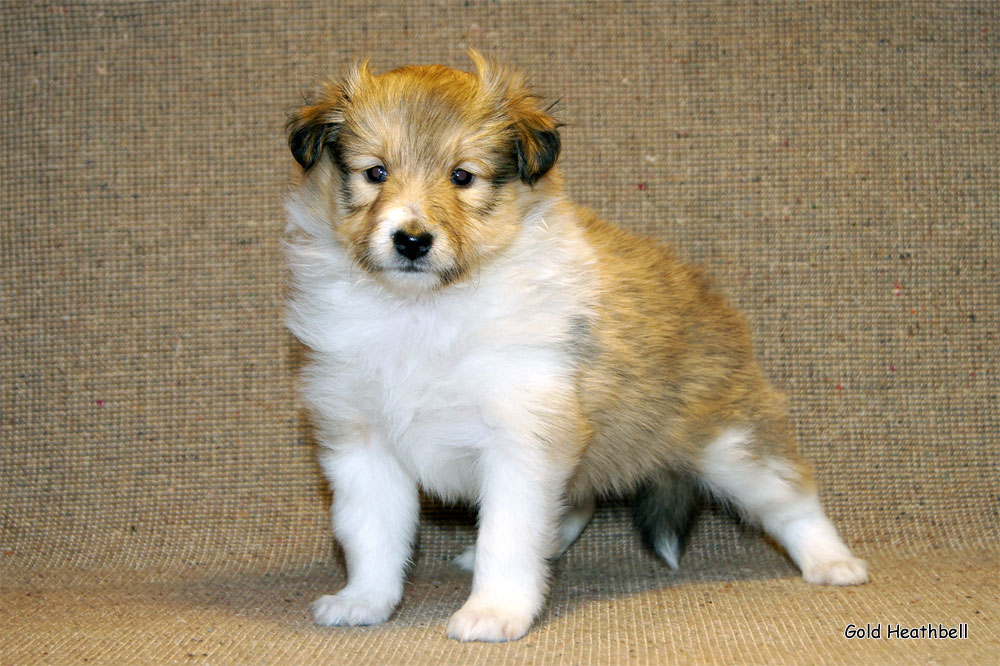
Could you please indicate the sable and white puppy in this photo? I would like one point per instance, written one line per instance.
(475, 334)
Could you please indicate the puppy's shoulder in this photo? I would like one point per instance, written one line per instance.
(628, 256)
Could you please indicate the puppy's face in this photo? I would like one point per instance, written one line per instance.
(431, 169)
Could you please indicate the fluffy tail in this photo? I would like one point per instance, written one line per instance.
(665, 510)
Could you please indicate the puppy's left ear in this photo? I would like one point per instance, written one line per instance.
(537, 142)
(535, 132)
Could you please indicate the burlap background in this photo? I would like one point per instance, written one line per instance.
(834, 164)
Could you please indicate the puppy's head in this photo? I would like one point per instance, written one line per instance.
(430, 170)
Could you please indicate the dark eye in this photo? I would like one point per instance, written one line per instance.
(375, 174)
(461, 177)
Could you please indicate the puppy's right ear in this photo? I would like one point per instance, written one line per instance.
(315, 126)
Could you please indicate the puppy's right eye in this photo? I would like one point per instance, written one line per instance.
(375, 174)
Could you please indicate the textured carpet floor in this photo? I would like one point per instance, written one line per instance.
(836, 166)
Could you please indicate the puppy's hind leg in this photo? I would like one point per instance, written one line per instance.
(776, 490)
(574, 521)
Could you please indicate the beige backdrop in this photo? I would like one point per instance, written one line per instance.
(835, 165)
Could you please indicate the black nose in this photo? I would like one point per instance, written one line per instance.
(410, 246)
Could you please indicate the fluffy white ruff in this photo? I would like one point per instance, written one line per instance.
(457, 390)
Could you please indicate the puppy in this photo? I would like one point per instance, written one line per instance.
(476, 335)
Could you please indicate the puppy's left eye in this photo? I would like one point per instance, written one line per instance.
(461, 177)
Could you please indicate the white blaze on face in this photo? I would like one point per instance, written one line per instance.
(392, 220)
(426, 271)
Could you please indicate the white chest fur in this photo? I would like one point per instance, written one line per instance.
(436, 377)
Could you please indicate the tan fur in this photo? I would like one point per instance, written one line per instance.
(421, 123)
(672, 365)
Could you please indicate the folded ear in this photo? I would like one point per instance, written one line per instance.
(315, 126)
(535, 132)
(537, 145)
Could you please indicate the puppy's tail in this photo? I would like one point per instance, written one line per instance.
(665, 510)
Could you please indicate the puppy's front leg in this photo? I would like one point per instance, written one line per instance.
(518, 510)
(375, 512)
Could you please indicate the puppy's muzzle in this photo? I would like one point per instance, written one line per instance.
(412, 246)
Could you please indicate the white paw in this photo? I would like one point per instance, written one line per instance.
(337, 610)
(467, 560)
(474, 622)
(848, 571)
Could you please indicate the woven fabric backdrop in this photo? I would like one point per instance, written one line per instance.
(834, 165)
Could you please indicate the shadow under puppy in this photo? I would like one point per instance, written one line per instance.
(475, 334)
